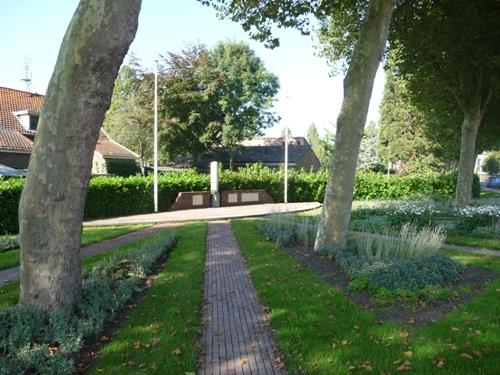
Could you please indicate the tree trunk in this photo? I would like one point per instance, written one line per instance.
(231, 155)
(470, 127)
(358, 85)
(53, 199)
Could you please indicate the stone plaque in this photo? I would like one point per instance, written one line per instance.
(232, 198)
(249, 197)
(197, 200)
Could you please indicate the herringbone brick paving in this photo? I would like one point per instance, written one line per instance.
(236, 337)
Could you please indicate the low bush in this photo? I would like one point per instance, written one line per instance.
(284, 231)
(416, 273)
(8, 242)
(32, 343)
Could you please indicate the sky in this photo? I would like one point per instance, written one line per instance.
(32, 30)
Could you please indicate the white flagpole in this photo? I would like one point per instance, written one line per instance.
(155, 156)
(286, 163)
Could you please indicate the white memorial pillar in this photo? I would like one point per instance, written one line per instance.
(214, 183)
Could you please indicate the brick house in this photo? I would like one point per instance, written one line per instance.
(19, 112)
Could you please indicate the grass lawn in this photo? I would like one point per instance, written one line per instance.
(90, 235)
(9, 293)
(162, 333)
(321, 331)
(489, 243)
(489, 194)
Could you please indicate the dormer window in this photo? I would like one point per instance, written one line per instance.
(28, 119)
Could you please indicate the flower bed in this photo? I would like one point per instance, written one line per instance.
(32, 343)
(409, 259)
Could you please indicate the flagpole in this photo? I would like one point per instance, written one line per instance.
(155, 140)
(286, 164)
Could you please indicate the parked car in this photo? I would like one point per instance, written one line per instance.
(494, 182)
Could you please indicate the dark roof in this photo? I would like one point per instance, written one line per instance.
(257, 154)
(14, 137)
(15, 100)
(269, 154)
(274, 141)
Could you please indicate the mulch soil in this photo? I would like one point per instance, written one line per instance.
(415, 314)
(91, 350)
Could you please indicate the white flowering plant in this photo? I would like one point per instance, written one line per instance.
(473, 217)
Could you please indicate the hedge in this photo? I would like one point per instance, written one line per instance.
(118, 196)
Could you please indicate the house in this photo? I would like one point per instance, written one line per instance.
(19, 112)
(268, 151)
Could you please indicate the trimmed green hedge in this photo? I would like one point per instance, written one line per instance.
(118, 196)
(10, 193)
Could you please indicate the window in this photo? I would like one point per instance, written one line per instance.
(33, 122)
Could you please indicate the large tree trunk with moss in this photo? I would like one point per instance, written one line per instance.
(473, 103)
(53, 199)
(470, 127)
(358, 85)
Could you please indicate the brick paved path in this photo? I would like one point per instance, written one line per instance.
(236, 339)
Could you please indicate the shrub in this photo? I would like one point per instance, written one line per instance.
(10, 193)
(473, 217)
(491, 163)
(123, 168)
(8, 242)
(31, 342)
(416, 273)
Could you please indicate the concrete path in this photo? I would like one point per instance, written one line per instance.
(220, 213)
(236, 337)
(13, 274)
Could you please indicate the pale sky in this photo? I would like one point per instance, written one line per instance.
(33, 29)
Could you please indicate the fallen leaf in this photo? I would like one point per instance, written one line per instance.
(177, 351)
(244, 361)
(104, 338)
(142, 365)
(408, 353)
(405, 366)
(466, 355)
(439, 362)
(455, 329)
(100, 370)
(137, 344)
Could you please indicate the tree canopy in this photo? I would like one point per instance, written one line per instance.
(130, 117)
(449, 53)
(214, 98)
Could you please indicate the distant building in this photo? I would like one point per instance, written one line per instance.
(19, 113)
(268, 151)
(478, 167)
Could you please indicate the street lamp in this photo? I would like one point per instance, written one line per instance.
(155, 141)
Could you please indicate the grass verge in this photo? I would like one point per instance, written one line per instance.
(321, 331)
(9, 292)
(90, 235)
(162, 332)
(489, 243)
